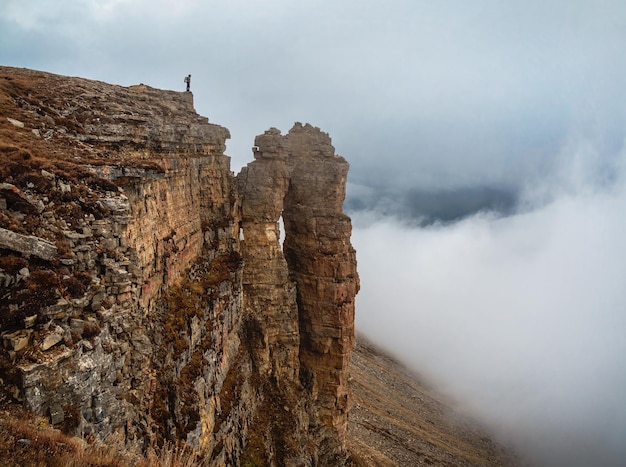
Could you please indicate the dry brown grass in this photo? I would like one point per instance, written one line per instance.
(40, 100)
(171, 455)
(40, 291)
(28, 440)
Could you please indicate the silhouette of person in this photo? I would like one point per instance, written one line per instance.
(188, 81)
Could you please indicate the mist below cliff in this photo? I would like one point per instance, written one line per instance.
(520, 318)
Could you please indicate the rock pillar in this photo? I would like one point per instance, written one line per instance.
(299, 176)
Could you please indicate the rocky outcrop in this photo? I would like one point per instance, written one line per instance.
(134, 190)
(27, 245)
(146, 293)
(302, 293)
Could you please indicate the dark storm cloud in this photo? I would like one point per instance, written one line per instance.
(423, 207)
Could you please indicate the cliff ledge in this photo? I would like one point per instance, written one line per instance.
(146, 295)
(148, 304)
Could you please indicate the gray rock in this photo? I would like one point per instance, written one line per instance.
(27, 245)
(29, 321)
(88, 414)
(15, 122)
(142, 344)
(23, 442)
(117, 205)
(48, 175)
(53, 338)
(96, 301)
(5, 279)
(16, 341)
(77, 326)
(64, 187)
(18, 200)
(56, 414)
(98, 409)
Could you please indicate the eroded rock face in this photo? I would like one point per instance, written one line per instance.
(299, 177)
(132, 308)
(120, 264)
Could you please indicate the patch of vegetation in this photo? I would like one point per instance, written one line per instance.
(273, 426)
(91, 329)
(14, 151)
(164, 398)
(28, 440)
(76, 285)
(222, 269)
(185, 301)
(254, 454)
(11, 262)
(41, 288)
(64, 249)
(71, 419)
(21, 169)
(190, 298)
(187, 392)
(44, 286)
(230, 392)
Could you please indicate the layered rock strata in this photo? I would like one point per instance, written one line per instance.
(132, 308)
(299, 177)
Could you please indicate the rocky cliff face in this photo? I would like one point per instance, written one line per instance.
(145, 293)
(306, 296)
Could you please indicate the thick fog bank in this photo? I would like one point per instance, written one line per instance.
(522, 319)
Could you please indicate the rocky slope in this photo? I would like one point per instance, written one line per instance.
(145, 296)
(398, 419)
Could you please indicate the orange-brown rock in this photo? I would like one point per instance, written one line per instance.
(298, 176)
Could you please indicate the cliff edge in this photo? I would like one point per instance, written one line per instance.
(147, 299)
(146, 296)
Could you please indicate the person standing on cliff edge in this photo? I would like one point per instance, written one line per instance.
(188, 81)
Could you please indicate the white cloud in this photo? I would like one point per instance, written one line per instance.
(521, 319)
(36, 15)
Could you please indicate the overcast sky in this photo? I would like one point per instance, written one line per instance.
(443, 109)
(435, 94)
